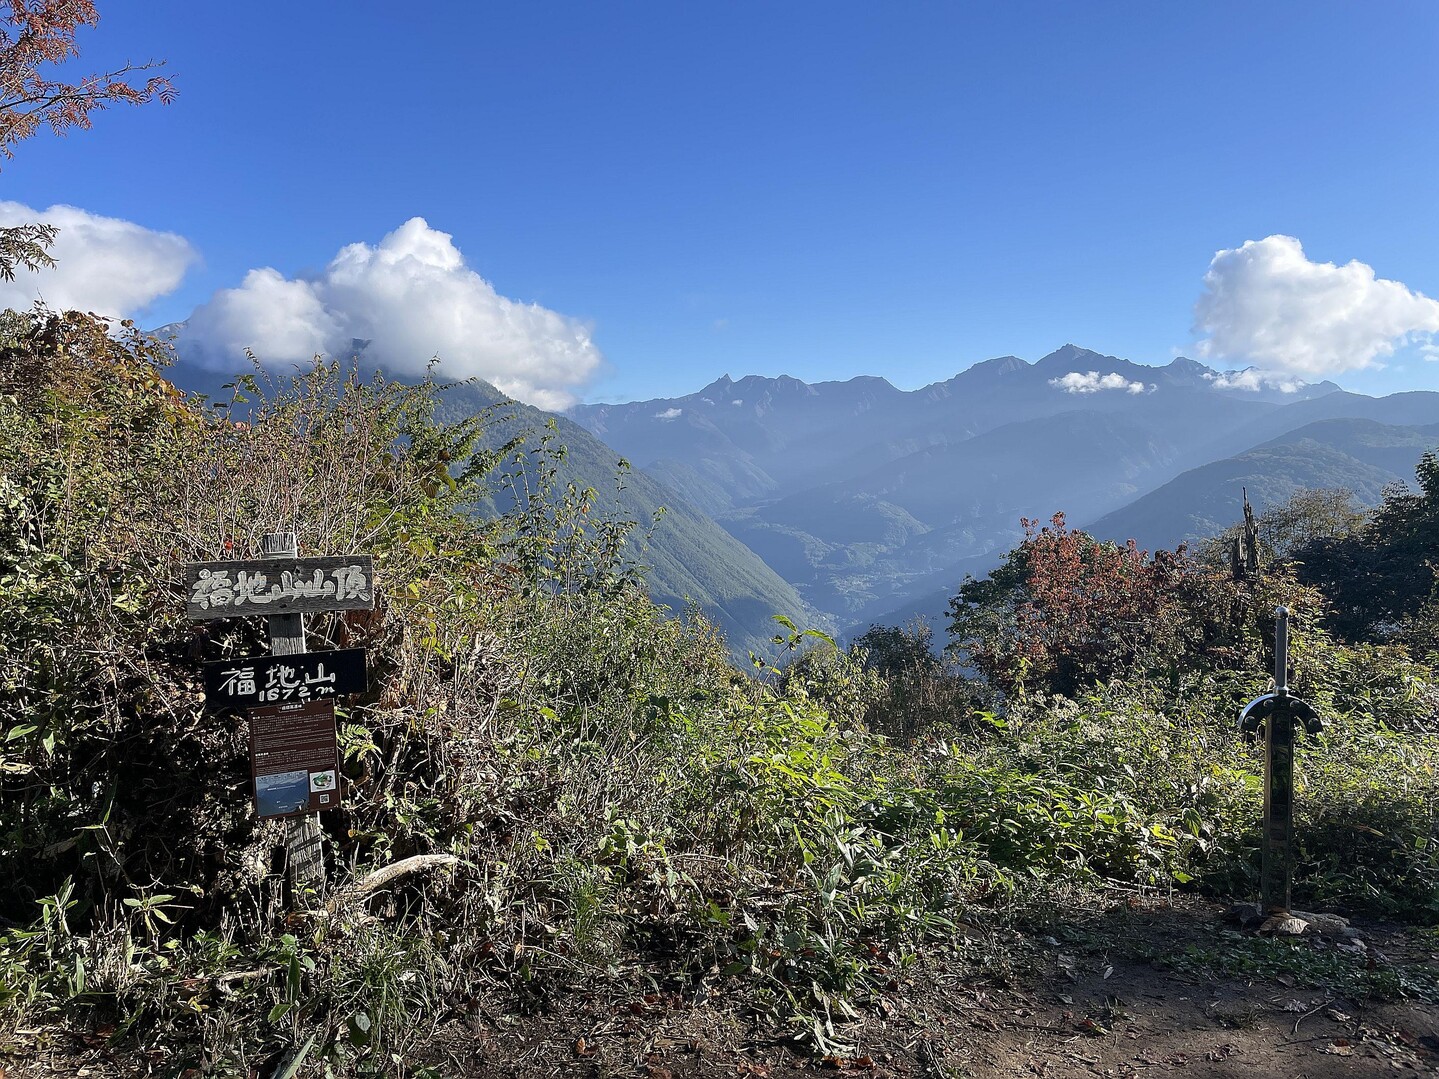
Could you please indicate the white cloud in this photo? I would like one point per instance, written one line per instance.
(1267, 304)
(669, 414)
(1430, 352)
(1253, 379)
(1094, 382)
(411, 297)
(275, 317)
(102, 264)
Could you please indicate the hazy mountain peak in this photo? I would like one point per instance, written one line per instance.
(999, 366)
(868, 382)
(1182, 371)
(1184, 363)
(1071, 354)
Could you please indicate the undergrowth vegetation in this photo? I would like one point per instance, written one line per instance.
(616, 802)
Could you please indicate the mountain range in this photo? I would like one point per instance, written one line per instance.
(873, 500)
(688, 557)
(846, 503)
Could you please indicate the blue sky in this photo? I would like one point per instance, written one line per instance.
(821, 190)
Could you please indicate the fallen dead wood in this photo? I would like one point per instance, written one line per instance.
(359, 890)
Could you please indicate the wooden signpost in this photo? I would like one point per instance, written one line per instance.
(280, 583)
(289, 700)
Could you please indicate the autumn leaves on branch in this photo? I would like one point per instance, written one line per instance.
(35, 37)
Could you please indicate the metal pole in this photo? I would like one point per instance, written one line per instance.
(1281, 651)
(304, 854)
(1277, 868)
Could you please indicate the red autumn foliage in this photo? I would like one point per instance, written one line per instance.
(1090, 606)
(1066, 611)
(36, 35)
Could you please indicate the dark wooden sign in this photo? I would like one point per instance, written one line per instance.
(294, 758)
(273, 586)
(253, 681)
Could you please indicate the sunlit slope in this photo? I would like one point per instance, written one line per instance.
(689, 557)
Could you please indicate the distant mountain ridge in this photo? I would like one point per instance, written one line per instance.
(1361, 455)
(873, 500)
(737, 441)
(688, 558)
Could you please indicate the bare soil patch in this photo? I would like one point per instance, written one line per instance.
(1141, 990)
(1132, 992)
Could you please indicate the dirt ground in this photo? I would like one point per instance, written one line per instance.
(1139, 991)
(1107, 1001)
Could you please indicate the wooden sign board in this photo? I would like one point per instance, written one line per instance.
(254, 681)
(294, 758)
(269, 586)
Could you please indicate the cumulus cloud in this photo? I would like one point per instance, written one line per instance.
(1254, 380)
(102, 264)
(1094, 382)
(411, 297)
(669, 414)
(275, 317)
(1266, 303)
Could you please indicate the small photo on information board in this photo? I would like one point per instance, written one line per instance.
(278, 794)
(294, 758)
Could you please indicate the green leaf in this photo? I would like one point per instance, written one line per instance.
(361, 1029)
(292, 1069)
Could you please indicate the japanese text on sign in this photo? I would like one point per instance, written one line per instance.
(294, 759)
(271, 586)
(259, 680)
(215, 588)
(282, 683)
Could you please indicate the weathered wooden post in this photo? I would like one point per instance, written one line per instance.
(288, 695)
(1276, 714)
(305, 854)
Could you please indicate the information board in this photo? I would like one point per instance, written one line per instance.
(294, 758)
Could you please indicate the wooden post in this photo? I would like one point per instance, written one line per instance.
(305, 860)
(1276, 860)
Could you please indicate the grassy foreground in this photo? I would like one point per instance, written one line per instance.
(587, 791)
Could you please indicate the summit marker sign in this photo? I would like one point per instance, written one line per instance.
(257, 681)
(289, 693)
(277, 586)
